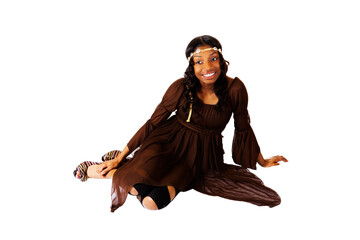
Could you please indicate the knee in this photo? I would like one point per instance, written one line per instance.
(133, 191)
(149, 203)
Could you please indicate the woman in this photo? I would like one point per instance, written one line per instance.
(185, 151)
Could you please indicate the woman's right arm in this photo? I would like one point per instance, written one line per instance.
(168, 105)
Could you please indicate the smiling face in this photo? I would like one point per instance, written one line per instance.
(207, 65)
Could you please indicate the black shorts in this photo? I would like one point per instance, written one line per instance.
(160, 195)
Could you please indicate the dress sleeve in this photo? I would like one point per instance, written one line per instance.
(167, 105)
(245, 148)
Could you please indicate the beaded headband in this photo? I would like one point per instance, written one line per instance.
(203, 50)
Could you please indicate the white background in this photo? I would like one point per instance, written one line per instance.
(78, 78)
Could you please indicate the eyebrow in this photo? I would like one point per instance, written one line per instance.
(210, 54)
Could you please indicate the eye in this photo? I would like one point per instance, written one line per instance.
(214, 59)
(198, 62)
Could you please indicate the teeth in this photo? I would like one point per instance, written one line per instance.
(208, 75)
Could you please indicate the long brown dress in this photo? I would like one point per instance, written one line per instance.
(189, 155)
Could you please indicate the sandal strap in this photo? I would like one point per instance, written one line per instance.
(82, 168)
(110, 155)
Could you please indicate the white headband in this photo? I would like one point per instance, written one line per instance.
(203, 50)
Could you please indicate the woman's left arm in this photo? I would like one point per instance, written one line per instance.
(246, 151)
(270, 162)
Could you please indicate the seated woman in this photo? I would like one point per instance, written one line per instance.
(184, 151)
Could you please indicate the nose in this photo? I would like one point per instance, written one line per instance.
(207, 65)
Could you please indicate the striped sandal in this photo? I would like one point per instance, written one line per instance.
(110, 155)
(81, 170)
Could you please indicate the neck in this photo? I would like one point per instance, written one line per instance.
(207, 88)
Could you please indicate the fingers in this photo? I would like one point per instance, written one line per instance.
(279, 158)
(276, 159)
(102, 169)
(284, 159)
(105, 170)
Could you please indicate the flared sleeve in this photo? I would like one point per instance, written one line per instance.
(167, 105)
(245, 148)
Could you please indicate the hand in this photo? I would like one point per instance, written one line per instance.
(105, 167)
(273, 161)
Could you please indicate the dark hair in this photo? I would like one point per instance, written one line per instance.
(193, 82)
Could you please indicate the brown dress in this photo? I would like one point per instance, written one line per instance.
(189, 155)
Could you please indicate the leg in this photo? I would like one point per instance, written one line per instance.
(238, 184)
(92, 173)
